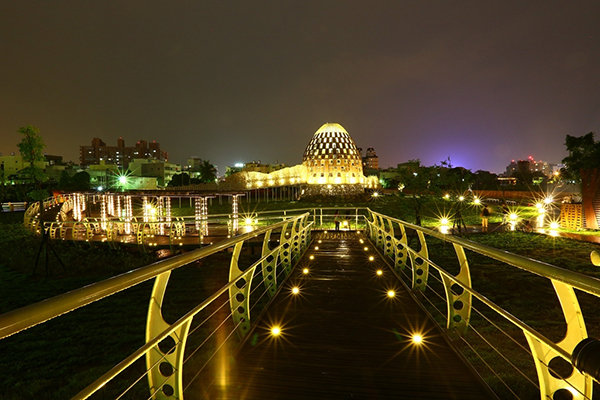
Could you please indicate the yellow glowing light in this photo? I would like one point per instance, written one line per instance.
(325, 232)
(446, 196)
(295, 290)
(476, 201)
(320, 241)
(548, 200)
(554, 225)
(417, 339)
(391, 293)
(371, 258)
(379, 272)
(312, 257)
(375, 194)
(513, 216)
(305, 271)
(345, 223)
(361, 241)
(461, 198)
(444, 221)
(248, 221)
(366, 249)
(316, 247)
(275, 331)
(539, 205)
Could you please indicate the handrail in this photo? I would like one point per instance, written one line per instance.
(460, 302)
(29, 316)
(580, 281)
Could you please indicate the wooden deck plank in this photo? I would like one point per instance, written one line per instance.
(343, 338)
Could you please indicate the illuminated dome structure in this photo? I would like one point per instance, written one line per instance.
(331, 166)
(332, 158)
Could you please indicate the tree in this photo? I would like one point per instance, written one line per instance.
(485, 180)
(64, 183)
(208, 172)
(419, 183)
(80, 182)
(582, 165)
(182, 179)
(32, 150)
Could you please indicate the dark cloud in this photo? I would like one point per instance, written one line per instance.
(480, 82)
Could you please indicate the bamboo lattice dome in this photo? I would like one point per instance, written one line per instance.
(332, 157)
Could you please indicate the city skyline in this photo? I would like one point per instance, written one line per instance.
(479, 82)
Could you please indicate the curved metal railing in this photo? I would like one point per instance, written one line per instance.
(414, 266)
(164, 370)
(410, 259)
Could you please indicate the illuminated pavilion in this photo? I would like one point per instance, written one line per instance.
(331, 165)
(332, 157)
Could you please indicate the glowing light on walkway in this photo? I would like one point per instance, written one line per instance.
(417, 338)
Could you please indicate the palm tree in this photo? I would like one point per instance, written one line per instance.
(208, 172)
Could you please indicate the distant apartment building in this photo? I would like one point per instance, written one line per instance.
(529, 165)
(11, 165)
(254, 166)
(120, 155)
(370, 160)
(148, 168)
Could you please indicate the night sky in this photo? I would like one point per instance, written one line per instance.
(481, 82)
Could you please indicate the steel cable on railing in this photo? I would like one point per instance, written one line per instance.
(433, 305)
(255, 304)
(209, 317)
(527, 350)
(212, 356)
(162, 358)
(503, 356)
(493, 324)
(490, 368)
(225, 303)
(480, 335)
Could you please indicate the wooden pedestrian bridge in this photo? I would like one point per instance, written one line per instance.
(379, 309)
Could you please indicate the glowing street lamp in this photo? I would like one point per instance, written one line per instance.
(554, 228)
(513, 220)
(444, 222)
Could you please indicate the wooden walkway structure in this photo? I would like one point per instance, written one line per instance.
(343, 337)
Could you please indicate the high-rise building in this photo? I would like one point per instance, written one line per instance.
(529, 165)
(370, 161)
(120, 154)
